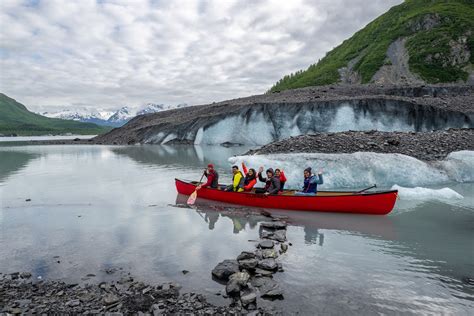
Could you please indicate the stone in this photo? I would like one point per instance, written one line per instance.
(248, 296)
(268, 287)
(248, 264)
(262, 272)
(284, 248)
(73, 303)
(266, 234)
(110, 299)
(16, 311)
(246, 255)
(185, 271)
(269, 253)
(280, 267)
(25, 275)
(268, 264)
(274, 225)
(279, 235)
(236, 282)
(225, 269)
(266, 244)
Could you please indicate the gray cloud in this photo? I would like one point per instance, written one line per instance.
(111, 53)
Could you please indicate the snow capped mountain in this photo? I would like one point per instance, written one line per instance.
(122, 115)
(110, 118)
(79, 115)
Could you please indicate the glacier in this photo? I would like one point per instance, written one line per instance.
(362, 169)
(262, 124)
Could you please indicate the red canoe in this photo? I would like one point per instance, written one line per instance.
(377, 203)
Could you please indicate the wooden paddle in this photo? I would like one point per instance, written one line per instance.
(193, 196)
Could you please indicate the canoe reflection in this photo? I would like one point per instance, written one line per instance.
(311, 222)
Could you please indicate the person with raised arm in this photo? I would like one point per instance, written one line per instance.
(310, 182)
(272, 182)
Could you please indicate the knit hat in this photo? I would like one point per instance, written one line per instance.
(210, 166)
(308, 169)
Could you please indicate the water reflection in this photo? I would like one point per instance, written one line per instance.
(191, 156)
(241, 217)
(12, 162)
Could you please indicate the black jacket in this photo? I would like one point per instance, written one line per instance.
(272, 185)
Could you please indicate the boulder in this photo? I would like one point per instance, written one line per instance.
(262, 272)
(264, 244)
(279, 235)
(269, 253)
(248, 264)
(283, 247)
(225, 269)
(248, 296)
(236, 282)
(246, 255)
(268, 264)
(268, 287)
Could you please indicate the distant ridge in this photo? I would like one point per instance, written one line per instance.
(15, 119)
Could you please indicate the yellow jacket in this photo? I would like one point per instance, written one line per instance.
(238, 182)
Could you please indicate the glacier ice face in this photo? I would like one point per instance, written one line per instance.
(363, 169)
(347, 119)
(262, 124)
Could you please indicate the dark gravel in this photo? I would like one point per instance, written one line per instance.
(19, 294)
(421, 145)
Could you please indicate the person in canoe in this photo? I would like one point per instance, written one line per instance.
(237, 181)
(250, 179)
(212, 178)
(310, 182)
(272, 182)
(281, 174)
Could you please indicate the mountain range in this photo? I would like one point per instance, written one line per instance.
(112, 118)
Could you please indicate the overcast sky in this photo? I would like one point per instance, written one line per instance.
(110, 53)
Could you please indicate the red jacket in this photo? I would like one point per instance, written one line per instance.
(212, 178)
(282, 177)
(249, 186)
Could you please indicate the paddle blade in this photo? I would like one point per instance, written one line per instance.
(192, 198)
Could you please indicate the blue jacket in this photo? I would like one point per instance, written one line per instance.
(311, 183)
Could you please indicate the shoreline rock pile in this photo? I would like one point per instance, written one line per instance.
(421, 145)
(251, 274)
(20, 294)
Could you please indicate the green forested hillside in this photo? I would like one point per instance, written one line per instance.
(16, 119)
(435, 32)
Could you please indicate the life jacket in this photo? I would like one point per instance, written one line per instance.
(238, 182)
(215, 180)
(309, 187)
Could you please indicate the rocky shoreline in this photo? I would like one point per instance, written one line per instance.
(421, 145)
(19, 294)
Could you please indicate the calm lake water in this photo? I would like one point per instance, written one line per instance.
(99, 207)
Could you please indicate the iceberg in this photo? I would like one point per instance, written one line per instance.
(420, 193)
(363, 169)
